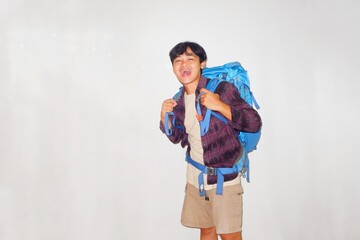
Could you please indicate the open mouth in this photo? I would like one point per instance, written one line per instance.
(185, 73)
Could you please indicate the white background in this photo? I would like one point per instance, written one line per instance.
(81, 85)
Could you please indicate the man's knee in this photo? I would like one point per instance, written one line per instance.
(208, 233)
(231, 236)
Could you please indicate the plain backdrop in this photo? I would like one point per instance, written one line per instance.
(81, 86)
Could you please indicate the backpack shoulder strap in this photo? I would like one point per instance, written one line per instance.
(205, 122)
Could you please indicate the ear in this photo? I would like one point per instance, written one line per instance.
(203, 64)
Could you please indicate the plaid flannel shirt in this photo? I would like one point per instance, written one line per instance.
(220, 144)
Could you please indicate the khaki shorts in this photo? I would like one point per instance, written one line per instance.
(222, 211)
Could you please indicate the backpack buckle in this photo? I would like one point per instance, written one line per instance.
(243, 172)
(212, 171)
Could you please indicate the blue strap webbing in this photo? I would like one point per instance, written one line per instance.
(168, 130)
(254, 101)
(246, 168)
(205, 122)
(219, 172)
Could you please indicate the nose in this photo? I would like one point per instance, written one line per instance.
(184, 63)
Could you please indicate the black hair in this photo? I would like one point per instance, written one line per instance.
(181, 48)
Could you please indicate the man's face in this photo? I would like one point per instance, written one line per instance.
(187, 68)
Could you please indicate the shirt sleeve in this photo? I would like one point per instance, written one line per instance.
(244, 117)
(178, 134)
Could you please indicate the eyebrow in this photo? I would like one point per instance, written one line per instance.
(187, 54)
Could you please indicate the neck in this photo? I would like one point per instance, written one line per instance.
(191, 87)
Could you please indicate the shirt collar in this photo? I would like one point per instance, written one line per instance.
(202, 83)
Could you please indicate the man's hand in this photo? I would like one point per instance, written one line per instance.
(167, 106)
(212, 101)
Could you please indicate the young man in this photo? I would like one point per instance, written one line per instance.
(213, 214)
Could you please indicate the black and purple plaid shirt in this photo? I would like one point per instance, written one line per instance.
(220, 144)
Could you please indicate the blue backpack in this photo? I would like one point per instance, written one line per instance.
(233, 73)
